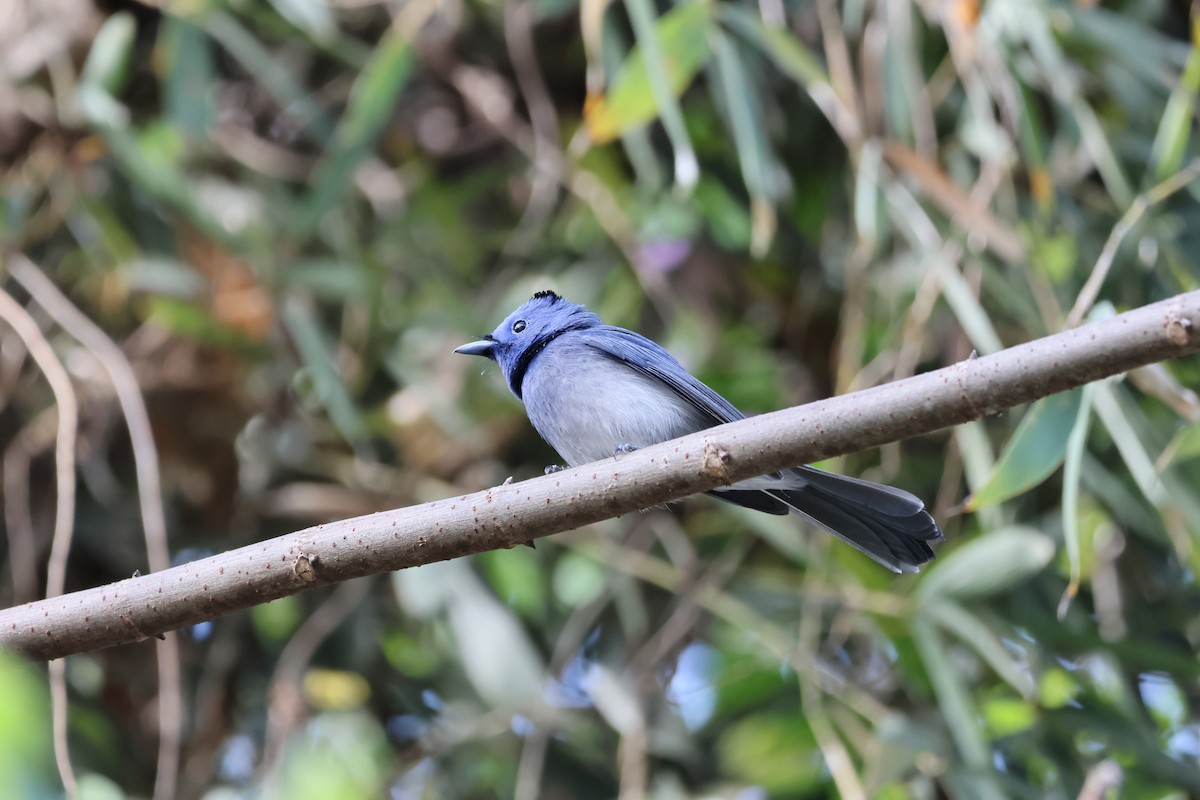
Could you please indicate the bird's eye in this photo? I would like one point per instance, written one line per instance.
(518, 326)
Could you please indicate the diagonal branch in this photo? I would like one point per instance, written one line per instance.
(504, 516)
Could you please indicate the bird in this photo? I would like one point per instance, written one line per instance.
(595, 391)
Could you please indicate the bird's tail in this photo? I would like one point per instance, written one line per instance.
(888, 524)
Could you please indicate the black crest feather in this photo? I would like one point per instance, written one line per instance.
(547, 294)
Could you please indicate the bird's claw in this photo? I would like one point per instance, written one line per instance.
(553, 468)
(623, 449)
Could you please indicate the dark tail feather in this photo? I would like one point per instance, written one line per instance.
(888, 524)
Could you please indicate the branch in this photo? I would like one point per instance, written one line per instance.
(137, 608)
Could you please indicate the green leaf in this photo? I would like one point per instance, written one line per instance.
(681, 36)
(992, 563)
(408, 655)
(787, 52)
(278, 619)
(1057, 688)
(188, 320)
(775, 751)
(726, 218)
(1072, 477)
(973, 631)
(25, 743)
(335, 754)
(1034, 451)
(577, 580)
(954, 701)
(372, 104)
(744, 117)
(314, 17)
(1184, 446)
(303, 111)
(318, 355)
(1175, 127)
(1008, 716)
(190, 73)
(517, 578)
(108, 61)
(329, 279)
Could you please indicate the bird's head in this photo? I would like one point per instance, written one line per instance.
(517, 341)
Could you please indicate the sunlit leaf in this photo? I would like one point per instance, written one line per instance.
(25, 745)
(1057, 688)
(1008, 716)
(775, 751)
(335, 754)
(335, 689)
(630, 101)
(727, 220)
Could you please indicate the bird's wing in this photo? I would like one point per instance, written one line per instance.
(648, 358)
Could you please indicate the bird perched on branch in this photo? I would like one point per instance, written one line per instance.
(594, 391)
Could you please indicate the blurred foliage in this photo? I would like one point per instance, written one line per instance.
(289, 212)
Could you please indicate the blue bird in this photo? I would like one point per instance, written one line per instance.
(594, 391)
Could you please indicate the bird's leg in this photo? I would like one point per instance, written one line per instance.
(624, 449)
(553, 468)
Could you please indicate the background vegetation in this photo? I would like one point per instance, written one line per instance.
(288, 213)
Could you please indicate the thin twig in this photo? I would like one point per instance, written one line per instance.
(1141, 204)
(18, 515)
(43, 355)
(543, 188)
(145, 457)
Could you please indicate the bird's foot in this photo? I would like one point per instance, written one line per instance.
(623, 449)
(553, 468)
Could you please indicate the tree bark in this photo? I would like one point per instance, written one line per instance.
(507, 515)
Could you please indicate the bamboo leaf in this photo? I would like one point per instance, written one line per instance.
(1035, 451)
(993, 563)
(678, 51)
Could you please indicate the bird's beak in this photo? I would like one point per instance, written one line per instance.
(485, 347)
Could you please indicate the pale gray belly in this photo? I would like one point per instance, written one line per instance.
(585, 405)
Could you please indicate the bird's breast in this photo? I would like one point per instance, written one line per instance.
(586, 404)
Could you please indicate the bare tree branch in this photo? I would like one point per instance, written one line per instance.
(508, 515)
